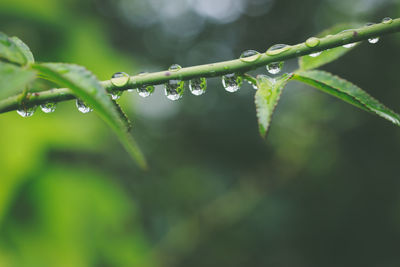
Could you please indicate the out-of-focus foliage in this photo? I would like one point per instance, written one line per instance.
(323, 190)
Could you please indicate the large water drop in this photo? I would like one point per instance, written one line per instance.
(277, 49)
(198, 86)
(274, 67)
(145, 90)
(82, 107)
(48, 107)
(232, 82)
(250, 56)
(120, 79)
(26, 112)
(174, 89)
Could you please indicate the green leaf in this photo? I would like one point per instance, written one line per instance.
(346, 91)
(267, 97)
(327, 56)
(24, 49)
(86, 87)
(14, 79)
(9, 51)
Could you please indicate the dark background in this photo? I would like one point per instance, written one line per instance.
(322, 190)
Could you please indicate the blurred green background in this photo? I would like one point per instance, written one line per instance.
(322, 190)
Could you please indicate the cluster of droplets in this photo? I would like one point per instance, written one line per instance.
(26, 112)
(48, 107)
(175, 88)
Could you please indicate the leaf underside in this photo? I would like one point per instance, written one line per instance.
(346, 91)
(307, 62)
(14, 79)
(10, 51)
(87, 88)
(24, 49)
(266, 99)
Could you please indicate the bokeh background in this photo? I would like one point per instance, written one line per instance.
(322, 190)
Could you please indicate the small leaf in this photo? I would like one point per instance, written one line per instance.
(24, 49)
(266, 99)
(327, 56)
(86, 87)
(123, 116)
(10, 52)
(14, 79)
(346, 91)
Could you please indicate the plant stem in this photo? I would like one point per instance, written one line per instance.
(214, 69)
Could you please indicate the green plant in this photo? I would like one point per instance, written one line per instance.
(19, 70)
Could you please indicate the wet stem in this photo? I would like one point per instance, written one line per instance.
(238, 66)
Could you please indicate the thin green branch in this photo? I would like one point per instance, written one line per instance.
(214, 69)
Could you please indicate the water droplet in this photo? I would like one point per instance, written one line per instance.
(48, 107)
(174, 89)
(345, 38)
(312, 42)
(274, 67)
(82, 106)
(349, 45)
(232, 82)
(373, 40)
(387, 20)
(198, 86)
(115, 95)
(250, 56)
(120, 79)
(277, 49)
(316, 54)
(252, 84)
(26, 112)
(175, 67)
(145, 90)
